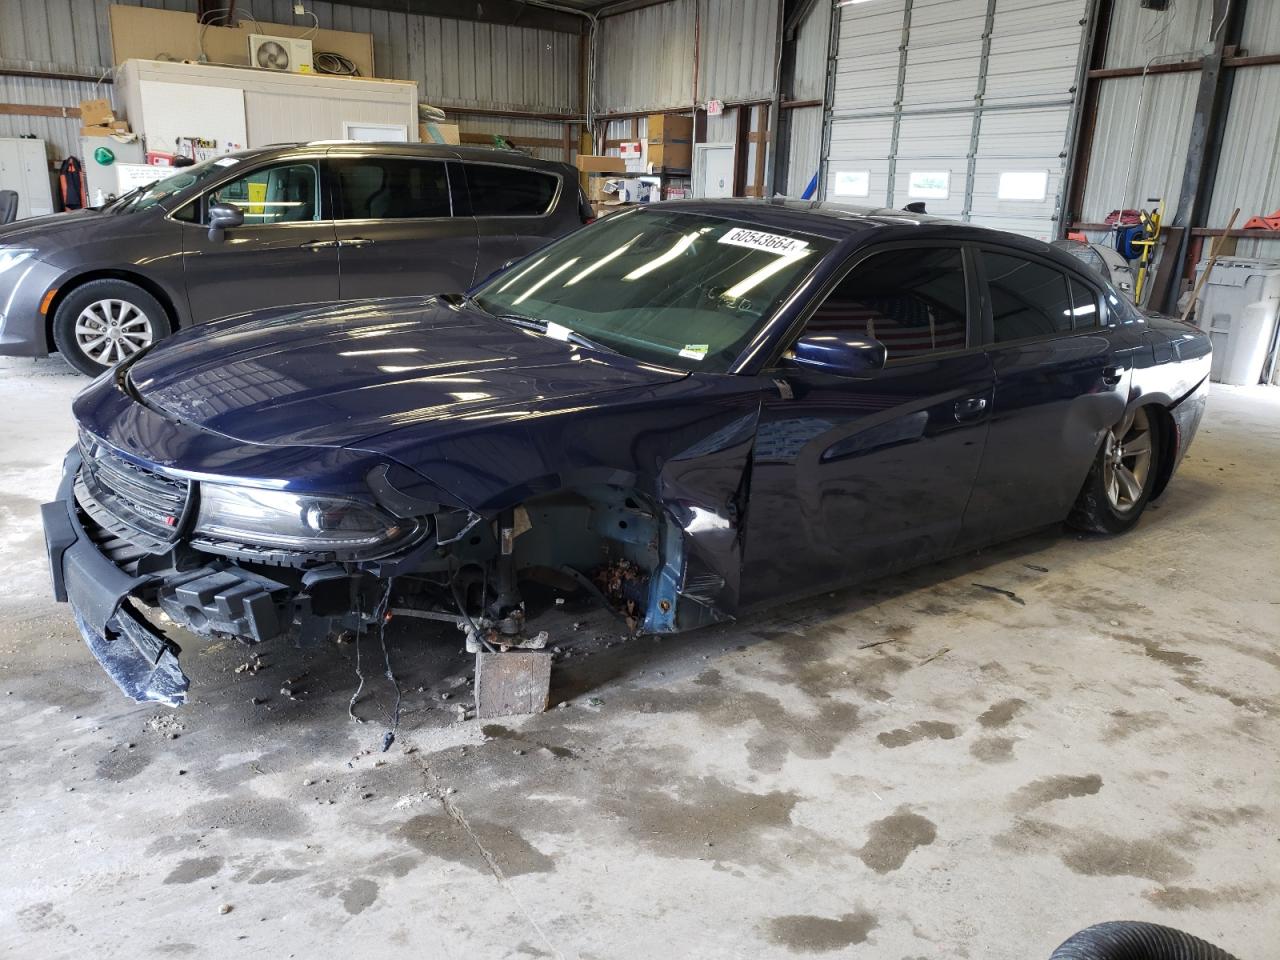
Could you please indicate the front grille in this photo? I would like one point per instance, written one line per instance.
(133, 503)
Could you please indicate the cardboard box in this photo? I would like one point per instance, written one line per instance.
(96, 113)
(432, 132)
(589, 163)
(105, 129)
(670, 141)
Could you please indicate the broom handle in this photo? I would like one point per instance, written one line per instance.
(1213, 258)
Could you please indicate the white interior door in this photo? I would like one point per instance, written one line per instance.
(715, 163)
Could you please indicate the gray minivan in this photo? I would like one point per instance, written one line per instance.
(283, 225)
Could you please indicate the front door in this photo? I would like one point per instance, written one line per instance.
(397, 230)
(285, 253)
(855, 476)
(1060, 383)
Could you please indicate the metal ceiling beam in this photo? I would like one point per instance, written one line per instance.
(511, 13)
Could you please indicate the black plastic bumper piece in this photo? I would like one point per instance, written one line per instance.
(140, 660)
(228, 601)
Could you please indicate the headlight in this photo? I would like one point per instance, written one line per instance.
(12, 256)
(306, 523)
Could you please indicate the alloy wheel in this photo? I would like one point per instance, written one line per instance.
(108, 331)
(1126, 460)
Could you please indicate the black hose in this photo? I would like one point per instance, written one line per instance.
(1133, 940)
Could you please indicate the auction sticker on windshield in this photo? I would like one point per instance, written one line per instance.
(769, 242)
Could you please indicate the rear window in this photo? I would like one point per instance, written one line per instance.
(509, 191)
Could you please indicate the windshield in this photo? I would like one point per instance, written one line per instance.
(151, 194)
(681, 289)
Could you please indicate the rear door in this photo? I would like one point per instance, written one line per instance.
(514, 209)
(285, 253)
(854, 476)
(1060, 381)
(396, 229)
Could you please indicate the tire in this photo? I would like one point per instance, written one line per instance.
(1122, 477)
(1134, 940)
(105, 321)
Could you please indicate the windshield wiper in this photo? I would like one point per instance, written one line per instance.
(544, 327)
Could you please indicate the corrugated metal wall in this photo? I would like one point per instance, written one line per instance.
(908, 78)
(61, 137)
(644, 58)
(812, 40)
(1249, 165)
(455, 63)
(806, 149)
(1139, 154)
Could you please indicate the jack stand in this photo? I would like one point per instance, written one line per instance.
(513, 683)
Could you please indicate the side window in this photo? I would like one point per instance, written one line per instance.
(1084, 305)
(499, 191)
(912, 301)
(189, 212)
(1027, 299)
(285, 194)
(391, 188)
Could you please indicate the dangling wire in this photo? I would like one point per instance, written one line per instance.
(351, 706)
(389, 737)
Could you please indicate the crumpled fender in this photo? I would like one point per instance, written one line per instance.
(704, 488)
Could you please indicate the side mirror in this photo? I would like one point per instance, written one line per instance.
(221, 217)
(844, 354)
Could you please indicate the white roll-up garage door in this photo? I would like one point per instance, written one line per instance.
(966, 105)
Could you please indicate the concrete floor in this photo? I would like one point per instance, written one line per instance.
(994, 778)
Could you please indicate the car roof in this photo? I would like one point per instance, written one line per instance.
(366, 148)
(850, 222)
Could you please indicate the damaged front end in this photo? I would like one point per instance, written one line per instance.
(131, 543)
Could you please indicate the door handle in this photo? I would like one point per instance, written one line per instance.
(355, 242)
(970, 408)
(319, 244)
(1111, 375)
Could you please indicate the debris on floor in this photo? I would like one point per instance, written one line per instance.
(1003, 592)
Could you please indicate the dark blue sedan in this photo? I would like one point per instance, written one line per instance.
(684, 411)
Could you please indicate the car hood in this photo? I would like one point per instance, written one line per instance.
(38, 231)
(335, 376)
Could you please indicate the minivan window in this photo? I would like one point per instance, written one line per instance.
(913, 301)
(1027, 299)
(500, 191)
(287, 193)
(391, 188)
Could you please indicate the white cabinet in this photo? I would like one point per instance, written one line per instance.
(23, 168)
(236, 107)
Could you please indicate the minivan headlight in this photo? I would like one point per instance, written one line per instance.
(306, 523)
(12, 256)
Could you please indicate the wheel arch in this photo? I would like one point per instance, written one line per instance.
(68, 287)
(1167, 447)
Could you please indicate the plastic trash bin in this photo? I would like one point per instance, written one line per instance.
(1238, 309)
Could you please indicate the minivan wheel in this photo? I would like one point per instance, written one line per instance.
(1122, 478)
(106, 321)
